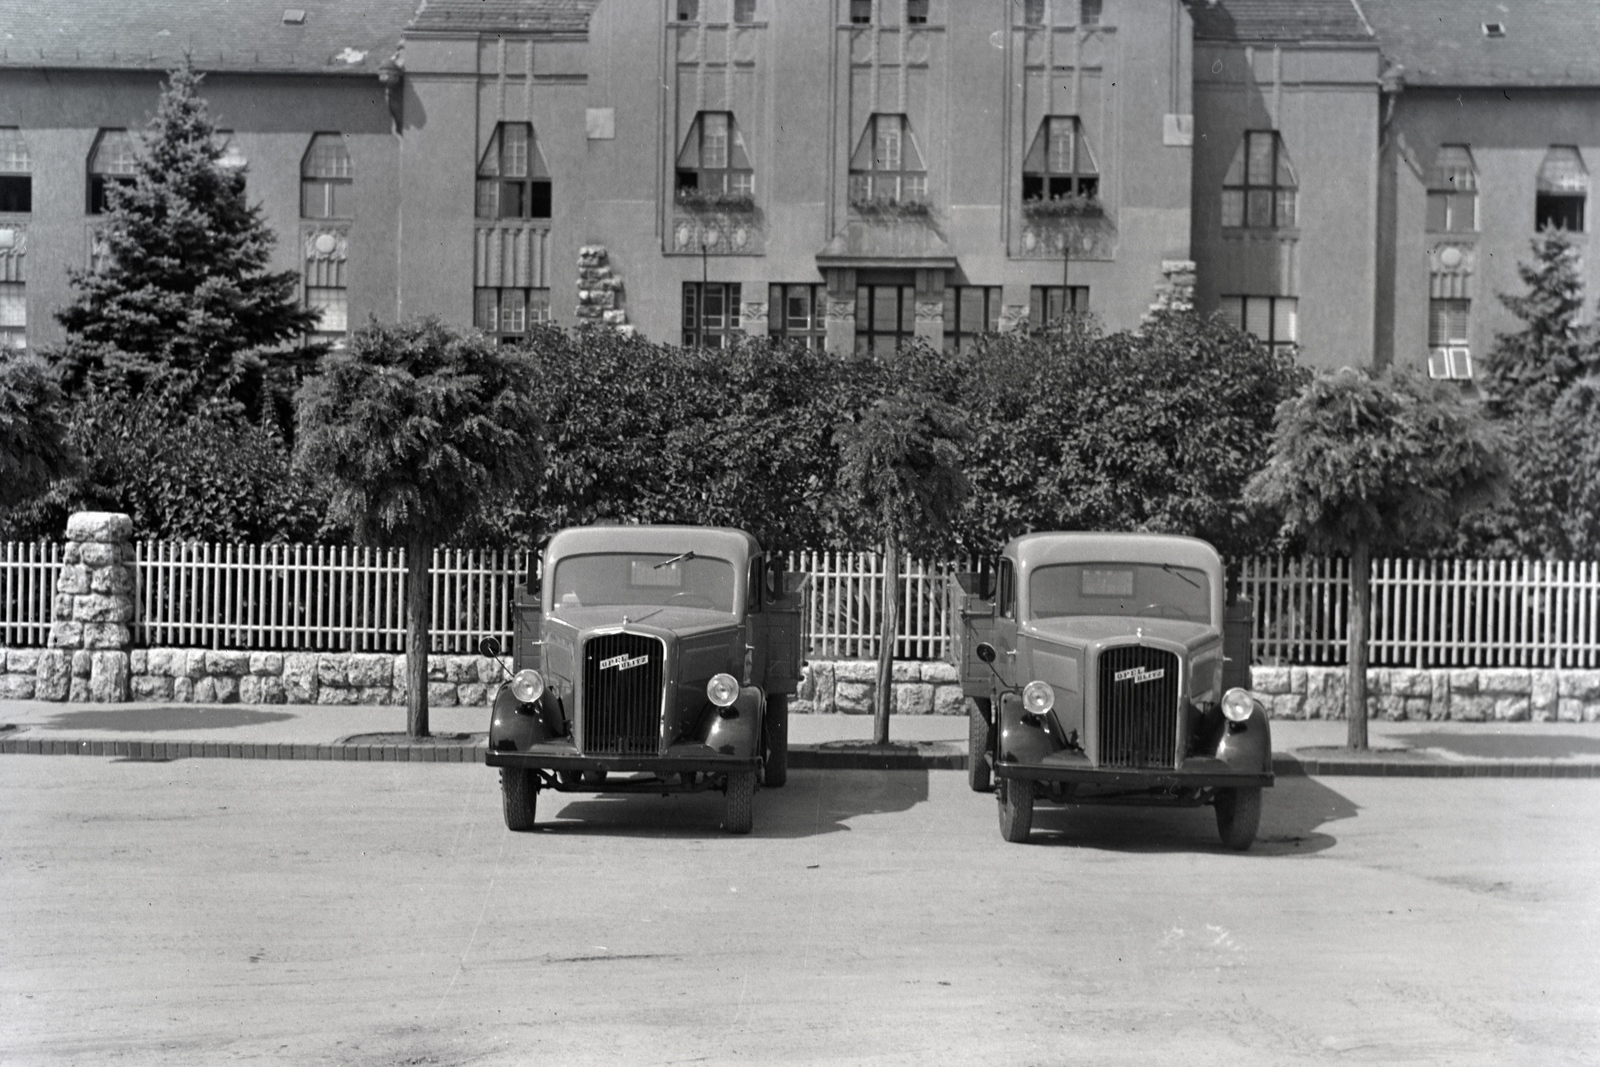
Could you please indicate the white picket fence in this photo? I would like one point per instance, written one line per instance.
(1425, 613)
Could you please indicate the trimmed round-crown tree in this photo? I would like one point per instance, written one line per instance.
(415, 428)
(1362, 465)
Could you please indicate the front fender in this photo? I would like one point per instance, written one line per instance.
(736, 730)
(515, 726)
(1247, 746)
(1023, 737)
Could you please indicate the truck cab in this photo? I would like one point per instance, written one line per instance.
(1098, 669)
(650, 659)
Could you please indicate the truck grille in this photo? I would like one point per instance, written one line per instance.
(622, 694)
(1138, 707)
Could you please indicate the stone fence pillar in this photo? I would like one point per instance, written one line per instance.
(89, 635)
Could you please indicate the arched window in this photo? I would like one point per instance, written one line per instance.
(1059, 162)
(513, 181)
(1453, 191)
(887, 166)
(114, 161)
(1563, 190)
(1259, 191)
(713, 161)
(16, 171)
(326, 179)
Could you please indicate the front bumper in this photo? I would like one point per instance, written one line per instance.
(679, 759)
(1197, 772)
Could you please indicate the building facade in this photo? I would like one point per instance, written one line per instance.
(849, 173)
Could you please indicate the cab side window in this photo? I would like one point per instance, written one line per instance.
(1006, 590)
(757, 579)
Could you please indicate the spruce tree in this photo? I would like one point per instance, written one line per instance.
(186, 298)
(1528, 369)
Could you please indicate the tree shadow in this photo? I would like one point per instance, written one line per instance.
(1294, 813)
(170, 717)
(811, 803)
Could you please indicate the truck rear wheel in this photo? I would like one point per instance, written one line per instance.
(775, 742)
(739, 809)
(1238, 816)
(1016, 808)
(980, 741)
(519, 796)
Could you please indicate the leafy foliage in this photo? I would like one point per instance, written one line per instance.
(1528, 369)
(1388, 462)
(34, 450)
(415, 426)
(186, 291)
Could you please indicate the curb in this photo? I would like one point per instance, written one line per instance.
(801, 757)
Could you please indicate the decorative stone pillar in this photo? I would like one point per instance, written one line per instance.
(1176, 291)
(599, 291)
(93, 606)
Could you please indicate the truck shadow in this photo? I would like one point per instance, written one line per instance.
(812, 803)
(1294, 816)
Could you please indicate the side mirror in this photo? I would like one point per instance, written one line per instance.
(490, 647)
(985, 651)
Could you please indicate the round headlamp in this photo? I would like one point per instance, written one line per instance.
(1237, 705)
(723, 690)
(1038, 698)
(527, 685)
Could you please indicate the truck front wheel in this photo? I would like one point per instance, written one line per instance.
(1016, 808)
(519, 795)
(1238, 816)
(739, 810)
(980, 741)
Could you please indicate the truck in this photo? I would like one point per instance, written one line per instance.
(648, 659)
(1106, 668)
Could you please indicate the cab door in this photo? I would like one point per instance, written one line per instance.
(1005, 621)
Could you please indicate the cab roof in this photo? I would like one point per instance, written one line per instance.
(722, 541)
(1038, 549)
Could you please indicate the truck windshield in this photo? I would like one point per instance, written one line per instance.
(1132, 589)
(659, 578)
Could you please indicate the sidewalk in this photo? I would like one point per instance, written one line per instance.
(835, 742)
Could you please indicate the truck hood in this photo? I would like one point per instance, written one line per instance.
(646, 618)
(1083, 630)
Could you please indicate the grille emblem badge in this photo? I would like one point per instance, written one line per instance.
(623, 663)
(1137, 675)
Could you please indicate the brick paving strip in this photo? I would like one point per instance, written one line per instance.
(929, 755)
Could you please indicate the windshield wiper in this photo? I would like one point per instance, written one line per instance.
(1170, 570)
(669, 562)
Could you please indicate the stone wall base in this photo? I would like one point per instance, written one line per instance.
(175, 675)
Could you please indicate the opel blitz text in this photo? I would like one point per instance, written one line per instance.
(650, 659)
(1098, 672)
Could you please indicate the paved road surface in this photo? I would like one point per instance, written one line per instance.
(208, 911)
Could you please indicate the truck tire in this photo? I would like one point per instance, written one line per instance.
(519, 796)
(739, 810)
(980, 742)
(775, 742)
(1238, 816)
(1016, 808)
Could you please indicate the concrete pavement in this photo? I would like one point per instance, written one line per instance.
(371, 733)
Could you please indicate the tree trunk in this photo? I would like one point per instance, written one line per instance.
(1360, 629)
(419, 609)
(884, 701)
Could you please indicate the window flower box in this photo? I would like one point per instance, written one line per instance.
(1064, 207)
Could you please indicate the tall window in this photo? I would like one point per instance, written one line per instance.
(1563, 189)
(13, 316)
(1274, 319)
(711, 314)
(713, 160)
(1089, 12)
(969, 311)
(326, 179)
(1449, 355)
(1059, 162)
(507, 313)
(861, 12)
(1051, 303)
(513, 181)
(744, 11)
(796, 313)
(1453, 191)
(688, 10)
(886, 317)
(1259, 189)
(1033, 12)
(332, 305)
(887, 166)
(916, 12)
(16, 171)
(113, 162)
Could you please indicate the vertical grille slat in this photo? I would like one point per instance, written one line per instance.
(622, 700)
(1138, 713)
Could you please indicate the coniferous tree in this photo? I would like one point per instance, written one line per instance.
(185, 298)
